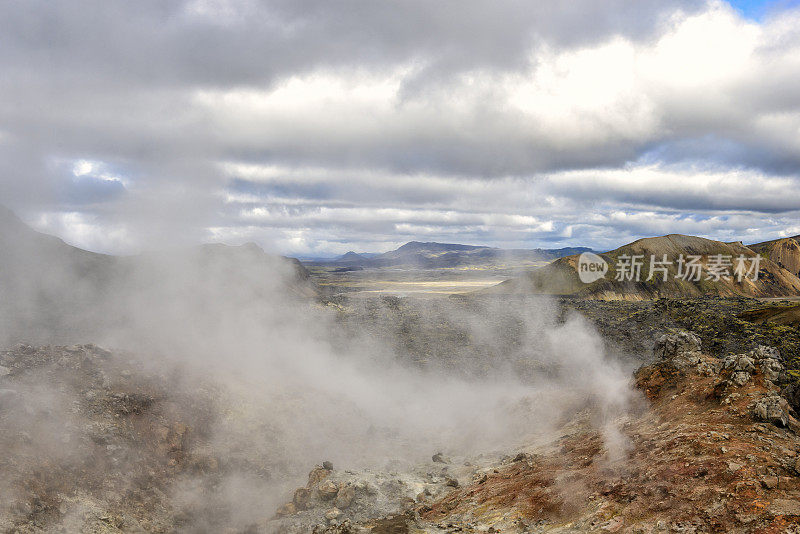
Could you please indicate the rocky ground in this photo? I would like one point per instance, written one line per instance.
(723, 324)
(93, 441)
(716, 450)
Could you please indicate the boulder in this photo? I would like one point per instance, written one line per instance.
(681, 348)
(327, 490)
(772, 409)
(345, 497)
(739, 378)
(740, 363)
(317, 475)
(742, 367)
(439, 458)
(300, 498)
(768, 359)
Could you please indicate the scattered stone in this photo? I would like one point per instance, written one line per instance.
(733, 466)
(327, 490)
(345, 497)
(333, 514)
(709, 368)
(785, 507)
(327, 466)
(22, 348)
(439, 458)
(772, 409)
(614, 525)
(451, 482)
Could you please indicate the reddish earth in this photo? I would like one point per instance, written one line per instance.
(698, 462)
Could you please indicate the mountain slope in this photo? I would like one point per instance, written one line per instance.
(351, 258)
(561, 276)
(784, 252)
(51, 291)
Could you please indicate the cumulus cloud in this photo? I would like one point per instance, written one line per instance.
(314, 126)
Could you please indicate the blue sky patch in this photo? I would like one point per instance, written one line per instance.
(758, 9)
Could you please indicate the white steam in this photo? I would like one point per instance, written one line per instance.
(296, 382)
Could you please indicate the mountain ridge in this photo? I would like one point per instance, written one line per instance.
(785, 252)
(561, 277)
(432, 255)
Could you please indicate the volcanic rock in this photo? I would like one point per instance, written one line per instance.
(682, 349)
(772, 409)
(327, 490)
(345, 497)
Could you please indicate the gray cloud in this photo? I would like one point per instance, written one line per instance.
(497, 122)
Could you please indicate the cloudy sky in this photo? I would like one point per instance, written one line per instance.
(313, 127)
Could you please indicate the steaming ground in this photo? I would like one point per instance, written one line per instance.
(225, 356)
(272, 383)
(217, 405)
(346, 390)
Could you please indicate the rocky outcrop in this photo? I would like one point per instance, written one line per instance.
(772, 409)
(763, 362)
(335, 502)
(676, 354)
(682, 349)
(680, 354)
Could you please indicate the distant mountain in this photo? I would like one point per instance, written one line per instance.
(351, 258)
(431, 255)
(50, 290)
(561, 277)
(784, 252)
